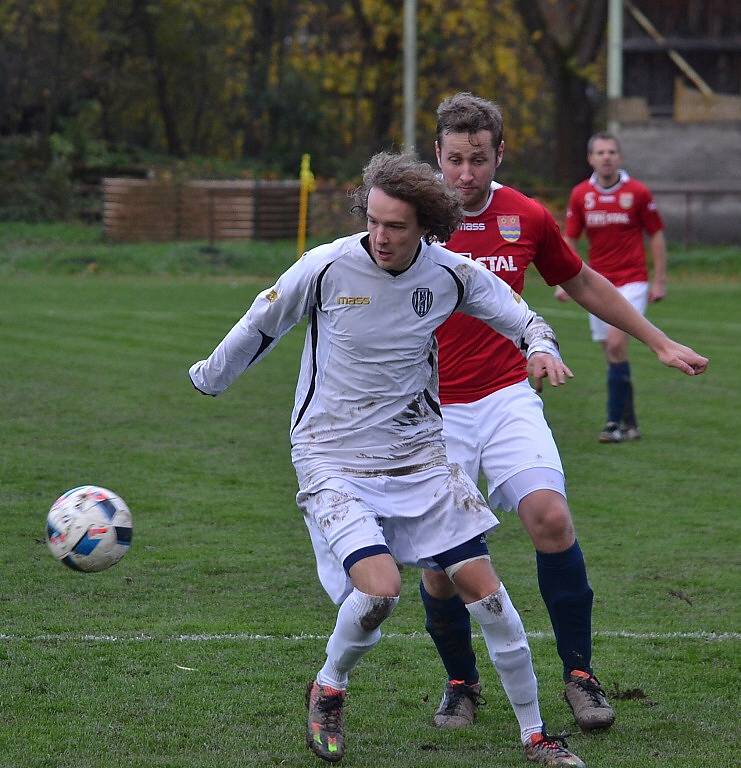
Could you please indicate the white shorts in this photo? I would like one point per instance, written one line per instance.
(416, 516)
(501, 435)
(635, 293)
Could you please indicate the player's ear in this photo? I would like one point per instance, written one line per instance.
(500, 153)
(438, 153)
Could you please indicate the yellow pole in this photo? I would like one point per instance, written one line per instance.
(306, 186)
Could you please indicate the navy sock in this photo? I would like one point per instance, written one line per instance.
(618, 380)
(449, 625)
(562, 577)
(629, 414)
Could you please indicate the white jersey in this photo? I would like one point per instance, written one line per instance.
(366, 400)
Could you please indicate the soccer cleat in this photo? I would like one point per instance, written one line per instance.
(611, 433)
(324, 735)
(630, 431)
(588, 702)
(459, 704)
(551, 750)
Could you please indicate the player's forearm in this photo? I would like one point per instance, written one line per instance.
(239, 349)
(539, 337)
(490, 299)
(657, 246)
(600, 297)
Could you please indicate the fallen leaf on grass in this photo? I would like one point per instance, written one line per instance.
(681, 595)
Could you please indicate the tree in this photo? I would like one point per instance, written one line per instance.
(260, 82)
(568, 36)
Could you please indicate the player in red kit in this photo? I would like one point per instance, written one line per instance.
(615, 211)
(493, 420)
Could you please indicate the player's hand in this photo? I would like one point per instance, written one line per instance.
(657, 291)
(684, 358)
(560, 295)
(541, 365)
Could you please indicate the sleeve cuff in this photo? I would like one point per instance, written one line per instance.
(197, 389)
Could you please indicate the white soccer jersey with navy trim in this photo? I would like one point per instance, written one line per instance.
(366, 400)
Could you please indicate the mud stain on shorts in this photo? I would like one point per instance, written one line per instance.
(466, 498)
(335, 506)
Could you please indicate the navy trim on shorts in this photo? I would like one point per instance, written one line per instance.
(475, 547)
(362, 553)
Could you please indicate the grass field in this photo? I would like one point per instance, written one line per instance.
(194, 651)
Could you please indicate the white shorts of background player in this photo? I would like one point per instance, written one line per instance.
(505, 437)
(636, 294)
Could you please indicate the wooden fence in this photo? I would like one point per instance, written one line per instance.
(143, 209)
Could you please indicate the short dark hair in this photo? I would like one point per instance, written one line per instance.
(439, 209)
(605, 136)
(465, 113)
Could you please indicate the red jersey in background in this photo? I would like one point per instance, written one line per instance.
(614, 220)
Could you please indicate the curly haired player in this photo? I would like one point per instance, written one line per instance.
(375, 484)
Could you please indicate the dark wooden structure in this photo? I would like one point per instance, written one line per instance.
(706, 33)
(153, 210)
(679, 121)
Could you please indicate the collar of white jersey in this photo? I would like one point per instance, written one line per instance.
(622, 178)
(492, 189)
(363, 242)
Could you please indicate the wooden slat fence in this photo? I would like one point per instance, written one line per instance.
(143, 209)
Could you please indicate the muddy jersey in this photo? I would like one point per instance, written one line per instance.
(367, 395)
(614, 219)
(510, 232)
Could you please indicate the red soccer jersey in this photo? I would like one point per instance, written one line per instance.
(508, 234)
(615, 220)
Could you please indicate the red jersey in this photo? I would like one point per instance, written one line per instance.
(615, 220)
(510, 232)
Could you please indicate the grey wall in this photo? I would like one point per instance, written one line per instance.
(694, 172)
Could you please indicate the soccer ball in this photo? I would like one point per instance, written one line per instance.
(89, 528)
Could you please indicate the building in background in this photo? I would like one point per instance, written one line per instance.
(678, 115)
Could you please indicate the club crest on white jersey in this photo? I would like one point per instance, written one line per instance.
(422, 301)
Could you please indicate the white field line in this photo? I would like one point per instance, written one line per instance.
(250, 637)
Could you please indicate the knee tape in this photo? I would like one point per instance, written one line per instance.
(451, 570)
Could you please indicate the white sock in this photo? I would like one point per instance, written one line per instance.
(355, 633)
(509, 650)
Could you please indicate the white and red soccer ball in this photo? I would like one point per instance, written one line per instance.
(89, 528)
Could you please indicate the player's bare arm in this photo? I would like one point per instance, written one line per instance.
(598, 296)
(657, 246)
(559, 293)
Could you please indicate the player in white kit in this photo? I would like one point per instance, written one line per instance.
(375, 486)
